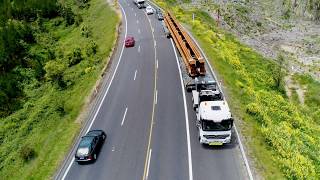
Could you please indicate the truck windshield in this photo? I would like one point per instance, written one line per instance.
(211, 86)
(210, 97)
(224, 125)
(208, 86)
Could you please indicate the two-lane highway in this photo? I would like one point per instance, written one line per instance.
(126, 110)
(148, 116)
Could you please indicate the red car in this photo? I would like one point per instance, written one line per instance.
(129, 42)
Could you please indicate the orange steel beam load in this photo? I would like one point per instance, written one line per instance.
(191, 55)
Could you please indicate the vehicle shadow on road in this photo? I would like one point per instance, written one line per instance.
(86, 163)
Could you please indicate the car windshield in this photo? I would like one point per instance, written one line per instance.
(86, 141)
(224, 125)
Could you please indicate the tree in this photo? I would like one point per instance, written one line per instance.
(278, 73)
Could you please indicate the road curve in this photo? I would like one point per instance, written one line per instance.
(141, 108)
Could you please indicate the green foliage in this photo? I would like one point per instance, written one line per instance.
(92, 48)
(85, 31)
(27, 153)
(312, 95)
(78, 19)
(54, 71)
(68, 15)
(13, 37)
(75, 57)
(83, 3)
(45, 115)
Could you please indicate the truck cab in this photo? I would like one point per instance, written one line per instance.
(204, 89)
(214, 122)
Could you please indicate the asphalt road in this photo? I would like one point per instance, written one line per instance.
(142, 111)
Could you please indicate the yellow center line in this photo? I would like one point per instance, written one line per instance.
(153, 109)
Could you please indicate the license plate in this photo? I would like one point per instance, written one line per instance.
(215, 143)
(82, 158)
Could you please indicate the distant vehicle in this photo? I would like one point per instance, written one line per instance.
(159, 14)
(140, 3)
(129, 42)
(149, 10)
(90, 146)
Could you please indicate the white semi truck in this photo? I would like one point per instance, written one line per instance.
(214, 119)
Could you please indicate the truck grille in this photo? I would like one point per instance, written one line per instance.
(223, 136)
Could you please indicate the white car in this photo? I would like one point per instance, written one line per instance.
(149, 10)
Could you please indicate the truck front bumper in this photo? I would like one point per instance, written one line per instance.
(227, 140)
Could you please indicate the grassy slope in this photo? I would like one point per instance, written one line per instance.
(41, 124)
(282, 136)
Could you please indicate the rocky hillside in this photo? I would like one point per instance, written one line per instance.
(291, 27)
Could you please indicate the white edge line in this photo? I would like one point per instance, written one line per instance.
(156, 100)
(185, 114)
(135, 14)
(124, 116)
(135, 75)
(104, 96)
(237, 134)
(148, 167)
(139, 49)
(157, 64)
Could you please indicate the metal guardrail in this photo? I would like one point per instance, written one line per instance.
(193, 60)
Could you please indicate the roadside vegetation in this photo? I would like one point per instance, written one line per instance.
(52, 53)
(283, 135)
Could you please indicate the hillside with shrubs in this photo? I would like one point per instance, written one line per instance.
(52, 52)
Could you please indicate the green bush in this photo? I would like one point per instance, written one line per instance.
(27, 153)
(78, 19)
(54, 71)
(91, 48)
(75, 57)
(85, 31)
(68, 15)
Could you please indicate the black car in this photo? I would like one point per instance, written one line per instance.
(159, 14)
(90, 146)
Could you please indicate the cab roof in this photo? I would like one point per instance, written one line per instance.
(214, 110)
